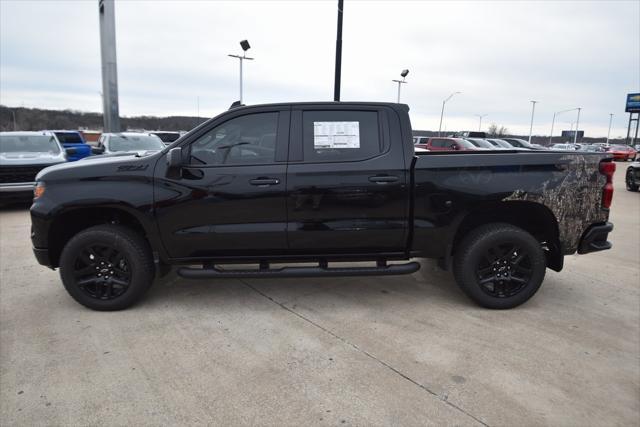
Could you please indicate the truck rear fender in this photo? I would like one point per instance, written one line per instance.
(533, 217)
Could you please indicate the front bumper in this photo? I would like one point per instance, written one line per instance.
(42, 256)
(595, 238)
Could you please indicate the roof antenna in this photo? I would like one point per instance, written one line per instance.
(236, 105)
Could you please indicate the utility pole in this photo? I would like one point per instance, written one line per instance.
(609, 131)
(110, 109)
(336, 87)
(533, 110)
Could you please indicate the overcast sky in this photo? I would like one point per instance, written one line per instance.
(500, 55)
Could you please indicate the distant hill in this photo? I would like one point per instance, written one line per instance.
(39, 119)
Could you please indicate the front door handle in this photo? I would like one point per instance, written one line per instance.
(263, 182)
(382, 179)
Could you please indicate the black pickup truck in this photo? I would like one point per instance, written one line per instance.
(323, 183)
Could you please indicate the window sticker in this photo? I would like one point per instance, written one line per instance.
(336, 135)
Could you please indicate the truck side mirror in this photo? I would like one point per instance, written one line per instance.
(174, 157)
(70, 151)
(97, 150)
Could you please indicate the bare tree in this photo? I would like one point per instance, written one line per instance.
(495, 130)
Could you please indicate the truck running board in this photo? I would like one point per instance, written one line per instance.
(320, 271)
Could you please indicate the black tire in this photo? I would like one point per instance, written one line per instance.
(631, 186)
(107, 267)
(504, 250)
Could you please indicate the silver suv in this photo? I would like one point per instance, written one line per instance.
(22, 156)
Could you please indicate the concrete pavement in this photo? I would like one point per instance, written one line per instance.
(406, 350)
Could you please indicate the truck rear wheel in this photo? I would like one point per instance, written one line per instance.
(499, 266)
(107, 267)
(631, 185)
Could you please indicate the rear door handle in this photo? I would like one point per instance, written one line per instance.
(263, 182)
(381, 179)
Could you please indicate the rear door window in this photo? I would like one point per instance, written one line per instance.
(340, 135)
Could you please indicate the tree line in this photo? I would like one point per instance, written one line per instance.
(34, 119)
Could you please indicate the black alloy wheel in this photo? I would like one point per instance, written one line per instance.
(504, 270)
(499, 265)
(102, 272)
(107, 267)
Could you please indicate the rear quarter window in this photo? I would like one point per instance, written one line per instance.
(340, 135)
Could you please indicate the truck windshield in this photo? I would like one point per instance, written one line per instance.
(69, 138)
(28, 144)
(135, 143)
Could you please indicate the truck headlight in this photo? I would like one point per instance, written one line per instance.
(38, 190)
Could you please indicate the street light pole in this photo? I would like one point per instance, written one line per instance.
(533, 110)
(575, 134)
(403, 74)
(554, 120)
(609, 131)
(442, 111)
(245, 47)
(480, 116)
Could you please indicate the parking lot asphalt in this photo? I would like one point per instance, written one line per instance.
(406, 350)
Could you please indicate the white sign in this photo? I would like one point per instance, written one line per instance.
(336, 135)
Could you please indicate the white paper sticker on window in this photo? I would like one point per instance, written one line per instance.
(336, 135)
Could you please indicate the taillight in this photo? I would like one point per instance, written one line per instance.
(607, 168)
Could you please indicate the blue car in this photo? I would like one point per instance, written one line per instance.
(73, 139)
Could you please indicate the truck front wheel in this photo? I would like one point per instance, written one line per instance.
(107, 267)
(499, 265)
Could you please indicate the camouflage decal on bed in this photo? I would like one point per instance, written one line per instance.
(573, 194)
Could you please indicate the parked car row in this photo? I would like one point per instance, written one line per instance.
(24, 154)
(473, 143)
(619, 151)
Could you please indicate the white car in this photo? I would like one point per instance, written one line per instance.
(128, 143)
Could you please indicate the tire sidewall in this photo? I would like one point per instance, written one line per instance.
(472, 255)
(140, 279)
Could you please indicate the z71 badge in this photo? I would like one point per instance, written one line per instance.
(132, 168)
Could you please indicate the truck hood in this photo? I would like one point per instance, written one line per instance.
(98, 166)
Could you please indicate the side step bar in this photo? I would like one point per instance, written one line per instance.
(320, 271)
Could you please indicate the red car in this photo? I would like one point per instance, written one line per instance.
(448, 144)
(622, 152)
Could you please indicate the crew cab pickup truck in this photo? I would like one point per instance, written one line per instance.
(320, 183)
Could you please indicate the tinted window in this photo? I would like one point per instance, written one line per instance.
(249, 139)
(441, 143)
(336, 136)
(69, 138)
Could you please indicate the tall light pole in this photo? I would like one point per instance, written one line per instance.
(110, 110)
(575, 134)
(554, 121)
(609, 131)
(480, 116)
(245, 47)
(403, 74)
(442, 112)
(533, 110)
